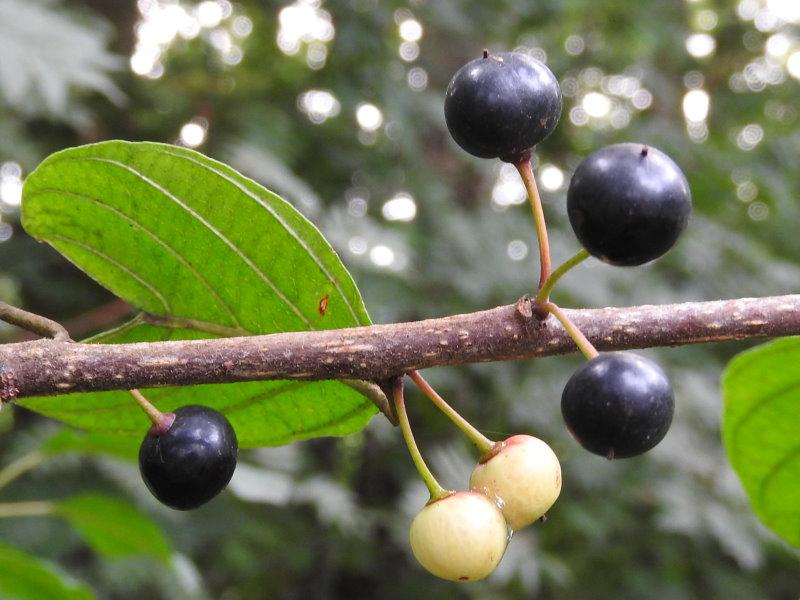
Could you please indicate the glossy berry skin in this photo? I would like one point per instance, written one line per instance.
(628, 203)
(192, 461)
(618, 405)
(460, 537)
(502, 105)
(523, 478)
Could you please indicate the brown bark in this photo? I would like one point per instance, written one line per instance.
(380, 352)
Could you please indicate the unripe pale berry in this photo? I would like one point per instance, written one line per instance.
(524, 478)
(460, 537)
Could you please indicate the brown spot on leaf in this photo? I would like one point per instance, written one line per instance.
(323, 305)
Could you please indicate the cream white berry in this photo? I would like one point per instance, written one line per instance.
(523, 478)
(460, 537)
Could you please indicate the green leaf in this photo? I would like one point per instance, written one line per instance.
(25, 577)
(114, 528)
(180, 235)
(91, 443)
(761, 431)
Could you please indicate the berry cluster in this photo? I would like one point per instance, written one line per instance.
(461, 536)
(627, 204)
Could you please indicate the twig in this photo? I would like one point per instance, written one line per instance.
(36, 323)
(380, 352)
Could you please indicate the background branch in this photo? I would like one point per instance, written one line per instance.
(32, 322)
(379, 352)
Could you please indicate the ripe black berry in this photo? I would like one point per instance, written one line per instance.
(192, 461)
(618, 405)
(628, 203)
(502, 105)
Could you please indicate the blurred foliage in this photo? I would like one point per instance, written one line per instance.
(329, 518)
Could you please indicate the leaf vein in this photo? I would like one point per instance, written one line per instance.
(792, 454)
(180, 258)
(757, 406)
(234, 248)
(138, 278)
(298, 238)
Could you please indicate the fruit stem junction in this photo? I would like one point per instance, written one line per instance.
(482, 443)
(526, 172)
(161, 421)
(583, 344)
(436, 490)
(544, 292)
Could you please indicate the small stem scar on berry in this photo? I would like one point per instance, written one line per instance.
(526, 172)
(436, 490)
(547, 288)
(161, 421)
(482, 443)
(583, 344)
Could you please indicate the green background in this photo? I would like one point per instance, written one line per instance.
(328, 518)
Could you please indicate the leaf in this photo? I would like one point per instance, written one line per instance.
(761, 431)
(178, 234)
(25, 577)
(114, 528)
(91, 443)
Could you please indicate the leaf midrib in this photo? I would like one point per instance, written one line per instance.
(237, 251)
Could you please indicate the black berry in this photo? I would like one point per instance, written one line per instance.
(618, 405)
(192, 461)
(628, 203)
(502, 105)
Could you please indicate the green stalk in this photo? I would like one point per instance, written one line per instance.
(583, 344)
(161, 421)
(526, 172)
(544, 293)
(436, 490)
(483, 443)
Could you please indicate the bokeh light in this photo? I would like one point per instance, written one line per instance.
(318, 105)
(369, 117)
(401, 207)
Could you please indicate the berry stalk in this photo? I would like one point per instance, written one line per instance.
(583, 344)
(435, 489)
(161, 421)
(526, 172)
(482, 443)
(545, 291)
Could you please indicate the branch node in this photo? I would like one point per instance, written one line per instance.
(524, 307)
